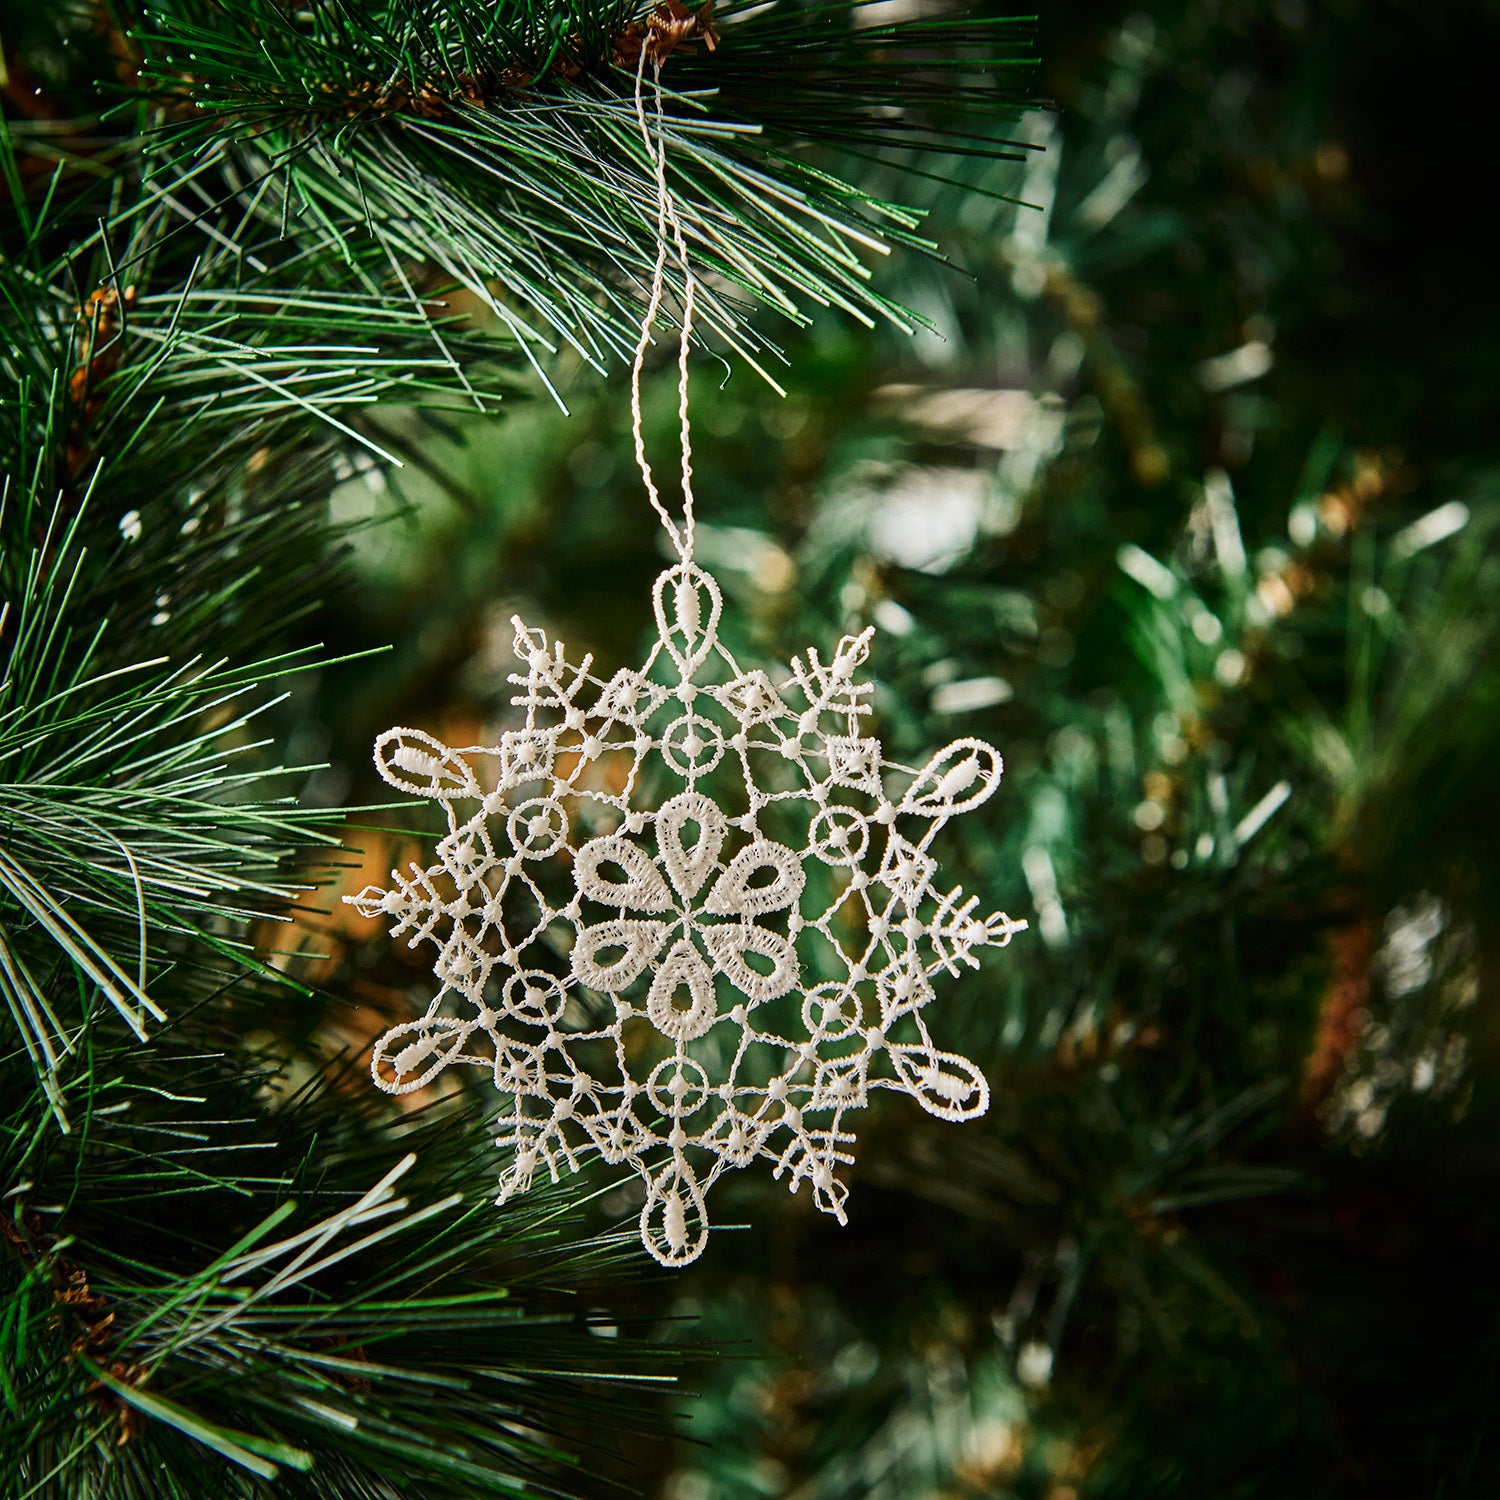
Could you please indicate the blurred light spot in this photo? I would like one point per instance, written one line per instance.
(1149, 816)
(1405, 961)
(1205, 624)
(1238, 367)
(1070, 747)
(878, 12)
(1224, 522)
(769, 567)
(1302, 524)
(351, 501)
(688, 1485)
(1028, 280)
(929, 519)
(1274, 592)
(989, 1444)
(1041, 879)
(1436, 526)
(971, 694)
(1117, 187)
(1064, 359)
(1018, 470)
(1229, 669)
(1146, 571)
(1260, 814)
(893, 618)
(855, 1363)
(1034, 1363)
(774, 571)
(989, 418)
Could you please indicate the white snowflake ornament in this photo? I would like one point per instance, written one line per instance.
(687, 916)
(684, 982)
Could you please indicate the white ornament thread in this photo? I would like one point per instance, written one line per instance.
(689, 913)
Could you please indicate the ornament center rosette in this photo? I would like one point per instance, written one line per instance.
(686, 916)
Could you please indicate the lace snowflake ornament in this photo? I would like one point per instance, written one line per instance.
(677, 980)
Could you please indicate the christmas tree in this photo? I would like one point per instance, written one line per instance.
(1066, 361)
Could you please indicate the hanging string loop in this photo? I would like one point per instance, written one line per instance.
(681, 534)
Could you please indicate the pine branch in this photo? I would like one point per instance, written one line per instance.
(498, 147)
(243, 1338)
(131, 835)
(126, 335)
(169, 448)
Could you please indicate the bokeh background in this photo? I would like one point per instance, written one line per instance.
(1188, 504)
